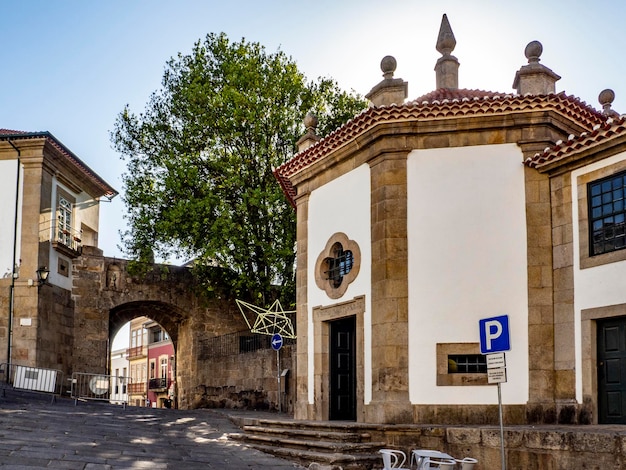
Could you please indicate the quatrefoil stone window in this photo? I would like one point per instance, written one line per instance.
(337, 265)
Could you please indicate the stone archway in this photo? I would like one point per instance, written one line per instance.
(106, 296)
(166, 315)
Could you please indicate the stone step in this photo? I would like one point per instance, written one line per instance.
(335, 460)
(313, 444)
(308, 433)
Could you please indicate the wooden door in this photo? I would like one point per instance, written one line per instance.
(612, 371)
(343, 369)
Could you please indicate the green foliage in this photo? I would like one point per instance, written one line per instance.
(200, 159)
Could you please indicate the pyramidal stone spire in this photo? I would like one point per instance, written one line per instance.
(447, 67)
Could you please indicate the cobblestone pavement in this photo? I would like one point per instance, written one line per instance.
(35, 433)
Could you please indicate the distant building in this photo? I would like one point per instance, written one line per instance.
(138, 362)
(161, 367)
(119, 376)
(152, 365)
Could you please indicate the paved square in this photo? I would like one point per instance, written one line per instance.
(35, 433)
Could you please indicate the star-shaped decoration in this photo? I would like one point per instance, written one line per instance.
(267, 321)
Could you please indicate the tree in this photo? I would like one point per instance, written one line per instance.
(199, 181)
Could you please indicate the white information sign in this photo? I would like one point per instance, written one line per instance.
(496, 376)
(495, 361)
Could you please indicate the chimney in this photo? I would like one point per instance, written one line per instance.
(447, 67)
(534, 78)
(310, 137)
(390, 90)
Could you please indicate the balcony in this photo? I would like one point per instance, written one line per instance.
(67, 241)
(158, 384)
(136, 388)
(137, 352)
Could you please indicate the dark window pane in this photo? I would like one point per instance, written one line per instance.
(607, 214)
(467, 364)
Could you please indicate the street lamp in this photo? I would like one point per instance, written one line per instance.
(42, 275)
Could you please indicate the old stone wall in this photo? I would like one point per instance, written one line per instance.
(106, 295)
(245, 380)
(526, 447)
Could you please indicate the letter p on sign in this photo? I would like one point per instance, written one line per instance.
(494, 334)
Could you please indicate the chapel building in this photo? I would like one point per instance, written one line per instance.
(418, 219)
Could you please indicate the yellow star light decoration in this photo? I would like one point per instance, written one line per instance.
(267, 321)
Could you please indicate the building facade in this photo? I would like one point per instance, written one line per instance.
(50, 205)
(119, 377)
(418, 219)
(152, 365)
(161, 367)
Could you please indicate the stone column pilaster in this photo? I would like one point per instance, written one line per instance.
(390, 380)
(302, 409)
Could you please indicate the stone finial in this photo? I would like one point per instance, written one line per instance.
(390, 90)
(388, 66)
(447, 67)
(446, 41)
(606, 98)
(310, 137)
(533, 51)
(534, 78)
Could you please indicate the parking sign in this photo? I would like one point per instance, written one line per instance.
(494, 334)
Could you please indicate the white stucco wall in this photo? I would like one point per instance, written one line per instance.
(343, 205)
(8, 181)
(594, 287)
(467, 261)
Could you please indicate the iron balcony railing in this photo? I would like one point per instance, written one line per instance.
(158, 384)
(68, 238)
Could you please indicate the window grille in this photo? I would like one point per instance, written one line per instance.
(339, 266)
(467, 364)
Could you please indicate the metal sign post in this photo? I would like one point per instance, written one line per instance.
(496, 373)
(277, 343)
(494, 339)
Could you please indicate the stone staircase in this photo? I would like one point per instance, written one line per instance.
(336, 445)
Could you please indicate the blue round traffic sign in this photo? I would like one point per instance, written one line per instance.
(277, 341)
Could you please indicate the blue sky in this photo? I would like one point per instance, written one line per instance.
(69, 66)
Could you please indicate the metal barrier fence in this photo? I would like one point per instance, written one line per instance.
(32, 379)
(100, 387)
(241, 342)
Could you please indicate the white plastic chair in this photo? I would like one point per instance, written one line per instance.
(427, 459)
(393, 459)
(448, 464)
(467, 463)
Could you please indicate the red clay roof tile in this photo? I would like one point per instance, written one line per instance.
(611, 127)
(439, 104)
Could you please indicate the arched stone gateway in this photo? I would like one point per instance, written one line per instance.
(106, 296)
